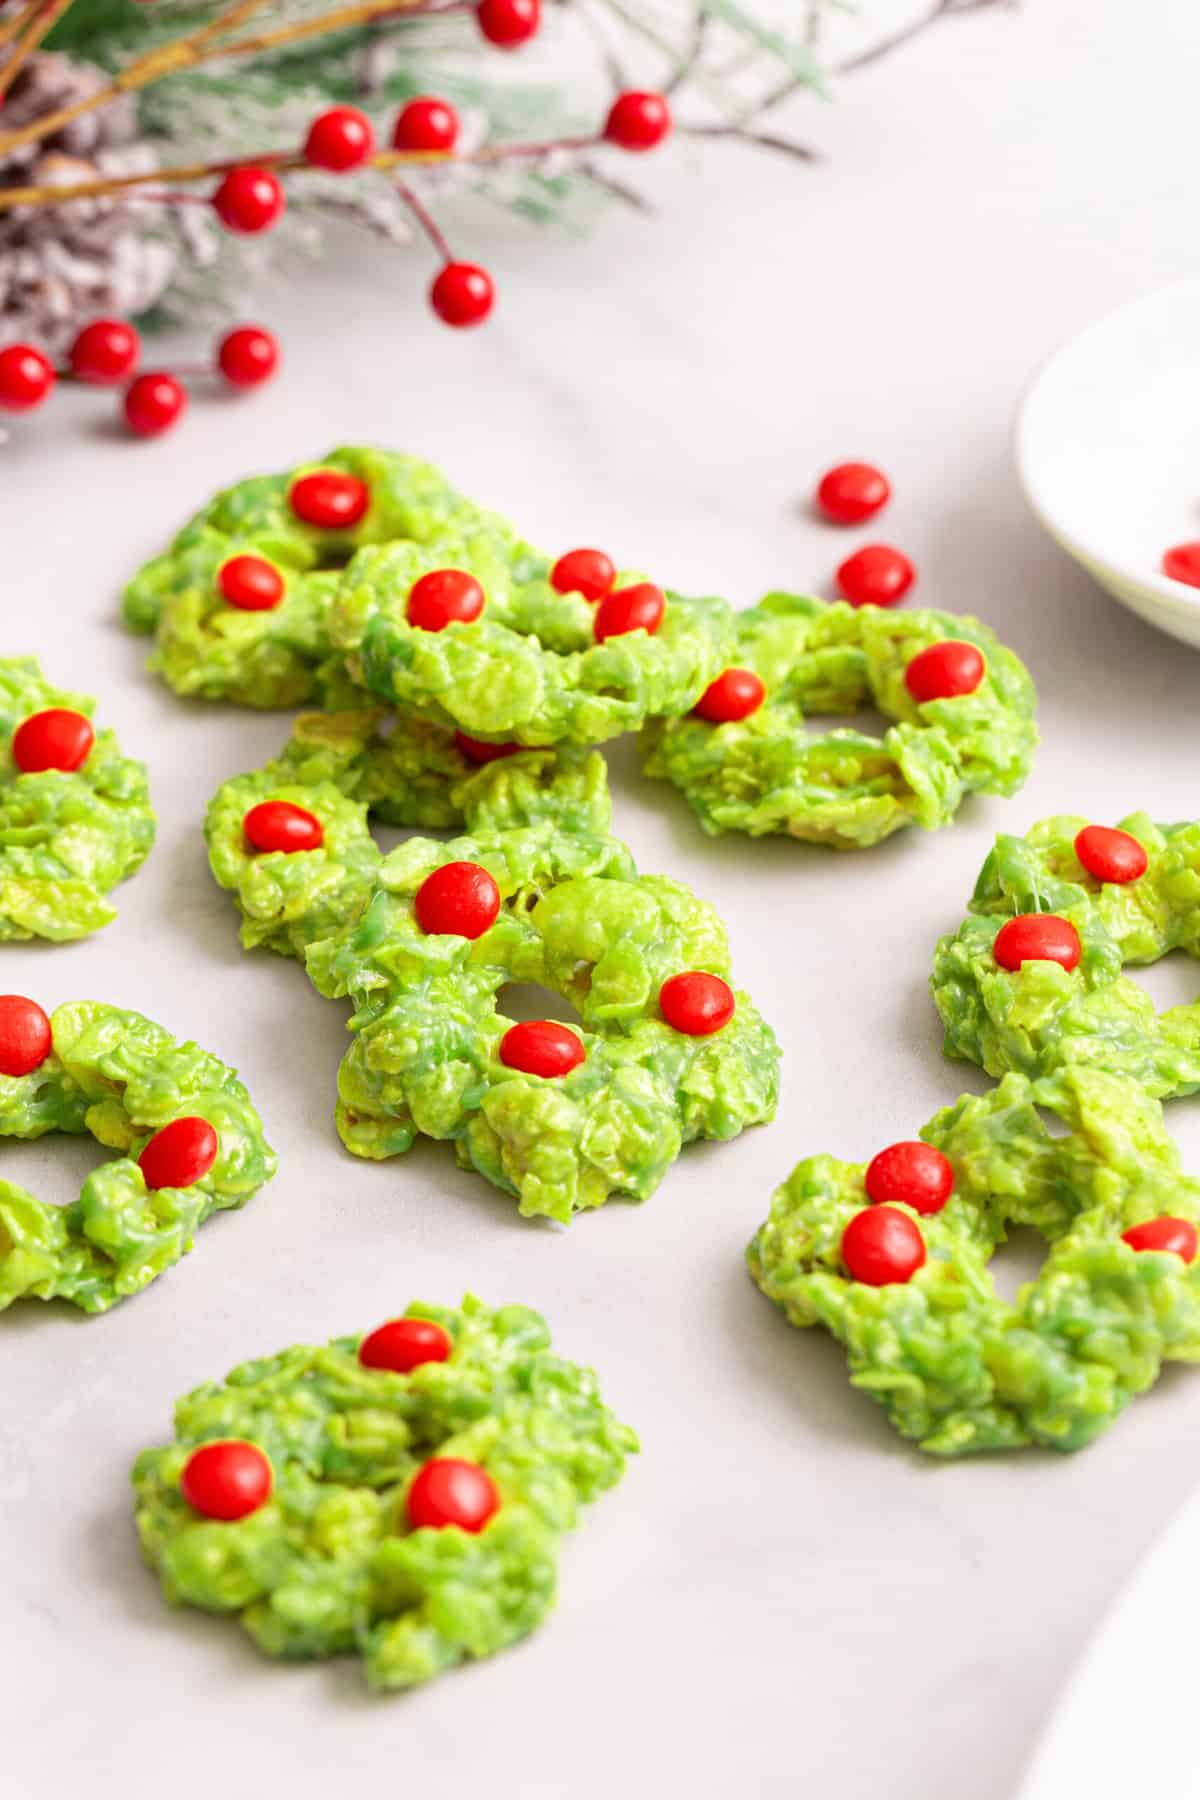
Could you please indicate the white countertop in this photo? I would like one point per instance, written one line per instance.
(781, 1597)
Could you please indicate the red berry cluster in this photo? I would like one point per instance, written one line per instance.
(876, 574)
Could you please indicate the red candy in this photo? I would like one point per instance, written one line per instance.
(460, 899)
(586, 572)
(734, 695)
(944, 671)
(105, 351)
(450, 1491)
(541, 1047)
(462, 294)
(1037, 937)
(248, 200)
(638, 121)
(25, 1036)
(153, 403)
(338, 139)
(882, 1245)
(1177, 1235)
(444, 597)
(426, 123)
(910, 1174)
(637, 608)
(852, 492)
(508, 23)
(250, 583)
(404, 1344)
(278, 825)
(180, 1154)
(1182, 563)
(226, 1480)
(695, 1003)
(57, 738)
(1110, 855)
(476, 751)
(330, 499)
(876, 575)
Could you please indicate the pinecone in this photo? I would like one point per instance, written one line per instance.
(61, 265)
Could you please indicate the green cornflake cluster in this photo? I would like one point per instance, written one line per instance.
(1041, 1016)
(955, 1366)
(120, 1077)
(765, 774)
(66, 840)
(330, 1565)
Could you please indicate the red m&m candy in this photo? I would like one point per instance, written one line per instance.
(1110, 855)
(329, 499)
(852, 492)
(25, 1036)
(250, 583)
(444, 597)
(477, 751)
(1177, 1235)
(460, 899)
(57, 738)
(1037, 937)
(227, 1480)
(279, 825)
(586, 572)
(882, 1245)
(450, 1491)
(637, 608)
(735, 694)
(181, 1153)
(911, 1173)
(402, 1345)
(876, 575)
(945, 671)
(541, 1047)
(696, 1003)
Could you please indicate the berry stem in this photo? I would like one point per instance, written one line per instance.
(425, 220)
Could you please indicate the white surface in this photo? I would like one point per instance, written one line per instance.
(781, 1598)
(1108, 450)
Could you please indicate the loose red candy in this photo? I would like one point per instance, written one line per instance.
(250, 583)
(278, 825)
(444, 597)
(330, 499)
(882, 1245)
(1110, 855)
(404, 1344)
(734, 695)
(476, 751)
(57, 738)
(637, 608)
(696, 1003)
(450, 1491)
(180, 1154)
(541, 1047)
(153, 403)
(910, 1174)
(1182, 563)
(25, 1037)
(876, 575)
(944, 671)
(852, 492)
(1177, 1235)
(1037, 937)
(586, 572)
(226, 1480)
(460, 899)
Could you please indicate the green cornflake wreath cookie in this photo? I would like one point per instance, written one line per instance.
(402, 1496)
(963, 706)
(892, 1259)
(187, 1143)
(75, 816)
(1033, 981)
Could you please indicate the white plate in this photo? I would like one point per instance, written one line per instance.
(1126, 1727)
(1108, 451)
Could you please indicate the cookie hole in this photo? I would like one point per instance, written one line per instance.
(526, 1000)
(867, 720)
(51, 1168)
(1017, 1261)
(1173, 980)
(1055, 1127)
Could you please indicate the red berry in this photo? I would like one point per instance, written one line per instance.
(462, 294)
(1166, 1233)
(911, 1174)
(26, 378)
(1110, 855)
(460, 899)
(944, 671)
(330, 499)
(476, 751)
(876, 575)
(153, 402)
(508, 23)
(449, 1491)
(248, 200)
(696, 1003)
(541, 1047)
(105, 351)
(444, 597)
(638, 121)
(637, 608)
(338, 139)
(404, 1344)
(426, 123)
(25, 1037)
(278, 825)
(1182, 563)
(55, 739)
(1037, 937)
(250, 583)
(586, 572)
(248, 356)
(734, 695)
(226, 1480)
(180, 1154)
(852, 492)
(882, 1245)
